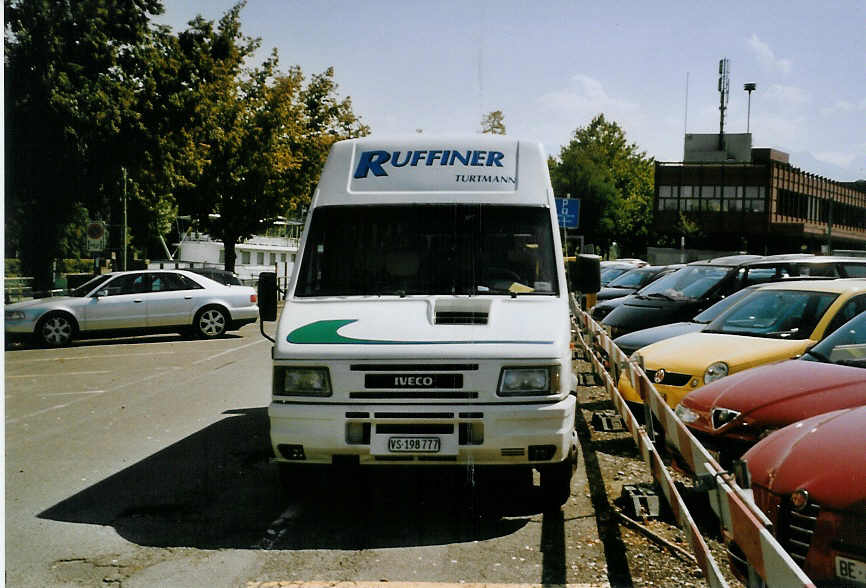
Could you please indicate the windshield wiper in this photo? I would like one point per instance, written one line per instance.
(660, 295)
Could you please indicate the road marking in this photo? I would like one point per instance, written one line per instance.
(88, 397)
(399, 584)
(64, 374)
(73, 393)
(232, 350)
(74, 357)
(277, 529)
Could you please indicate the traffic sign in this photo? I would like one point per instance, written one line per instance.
(97, 236)
(568, 212)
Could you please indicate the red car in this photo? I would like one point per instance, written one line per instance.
(733, 413)
(809, 478)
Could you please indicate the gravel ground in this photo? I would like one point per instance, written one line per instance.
(612, 460)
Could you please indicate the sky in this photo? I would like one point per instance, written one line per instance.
(551, 66)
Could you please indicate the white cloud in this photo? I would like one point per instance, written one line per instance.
(767, 57)
(788, 97)
(843, 107)
(836, 158)
(585, 97)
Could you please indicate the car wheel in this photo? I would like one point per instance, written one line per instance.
(210, 322)
(56, 330)
(556, 481)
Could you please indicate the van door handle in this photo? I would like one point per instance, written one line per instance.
(187, 297)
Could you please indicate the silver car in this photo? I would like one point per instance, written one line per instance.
(136, 301)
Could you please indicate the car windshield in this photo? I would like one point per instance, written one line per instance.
(608, 274)
(633, 278)
(780, 314)
(686, 283)
(88, 286)
(845, 346)
(428, 249)
(710, 314)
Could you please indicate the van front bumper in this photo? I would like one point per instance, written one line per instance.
(375, 434)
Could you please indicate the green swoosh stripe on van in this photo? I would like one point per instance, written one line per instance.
(325, 333)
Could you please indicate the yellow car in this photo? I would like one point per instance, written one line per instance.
(775, 322)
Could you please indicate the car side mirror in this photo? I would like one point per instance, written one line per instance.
(267, 294)
(101, 293)
(584, 274)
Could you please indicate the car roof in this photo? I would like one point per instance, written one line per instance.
(808, 259)
(839, 285)
(730, 260)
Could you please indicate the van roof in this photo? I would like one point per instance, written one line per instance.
(426, 169)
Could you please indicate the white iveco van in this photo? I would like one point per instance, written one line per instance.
(427, 321)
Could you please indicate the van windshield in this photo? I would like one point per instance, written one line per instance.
(428, 249)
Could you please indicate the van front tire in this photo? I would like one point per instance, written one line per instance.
(556, 481)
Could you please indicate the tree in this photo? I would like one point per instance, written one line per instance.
(614, 181)
(257, 137)
(68, 98)
(493, 123)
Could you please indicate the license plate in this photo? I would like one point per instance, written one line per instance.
(414, 444)
(851, 570)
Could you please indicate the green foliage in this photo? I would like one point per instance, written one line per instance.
(258, 137)
(493, 123)
(69, 99)
(614, 181)
(105, 109)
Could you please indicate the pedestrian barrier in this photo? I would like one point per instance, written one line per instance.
(740, 519)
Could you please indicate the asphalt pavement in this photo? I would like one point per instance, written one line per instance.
(145, 461)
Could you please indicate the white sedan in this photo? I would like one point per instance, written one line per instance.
(135, 302)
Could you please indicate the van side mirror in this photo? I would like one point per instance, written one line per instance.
(267, 294)
(584, 274)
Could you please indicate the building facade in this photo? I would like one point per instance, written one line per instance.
(763, 205)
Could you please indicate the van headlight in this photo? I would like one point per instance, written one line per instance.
(291, 381)
(716, 371)
(536, 381)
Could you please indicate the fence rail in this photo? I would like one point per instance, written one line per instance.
(740, 519)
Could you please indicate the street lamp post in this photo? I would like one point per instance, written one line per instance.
(750, 87)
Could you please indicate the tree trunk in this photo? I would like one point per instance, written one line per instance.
(231, 255)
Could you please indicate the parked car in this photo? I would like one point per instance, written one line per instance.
(778, 321)
(614, 269)
(218, 275)
(732, 414)
(807, 478)
(682, 294)
(635, 279)
(631, 342)
(134, 302)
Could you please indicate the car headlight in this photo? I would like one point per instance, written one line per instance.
(14, 315)
(686, 414)
(289, 381)
(722, 416)
(715, 372)
(535, 381)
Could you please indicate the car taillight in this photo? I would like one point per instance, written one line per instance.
(254, 298)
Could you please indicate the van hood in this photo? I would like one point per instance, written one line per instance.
(786, 460)
(784, 392)
(525, 327)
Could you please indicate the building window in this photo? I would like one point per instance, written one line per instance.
(222, 256)
(282, 257)
(260, 258)
(245, 257)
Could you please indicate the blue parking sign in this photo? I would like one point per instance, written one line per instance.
(568, 212)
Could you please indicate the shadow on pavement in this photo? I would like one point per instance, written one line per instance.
(216, 489)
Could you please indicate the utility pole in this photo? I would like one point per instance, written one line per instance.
(750, 87)
(123, 169)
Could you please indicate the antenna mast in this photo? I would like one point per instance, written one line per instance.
(724, 80)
